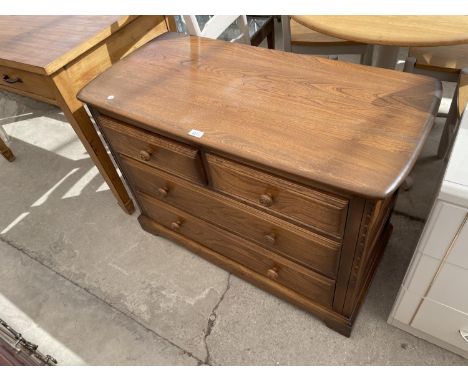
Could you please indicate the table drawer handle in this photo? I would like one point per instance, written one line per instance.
(266, 200)
(464, 334)
(270, 238)
(145, 155)
(162, 191)
(6, 78)
(272, 273)
(175, 226)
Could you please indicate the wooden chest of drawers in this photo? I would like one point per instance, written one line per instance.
(282, 169)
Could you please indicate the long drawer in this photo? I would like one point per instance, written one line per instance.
(26, 83)
(266, 263)
(303, 246)
(304, 205)
(153, 149)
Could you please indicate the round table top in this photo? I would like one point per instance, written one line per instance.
(392, 30)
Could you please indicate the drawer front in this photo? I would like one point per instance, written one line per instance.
(277, 268)
(301, 204)
(443, 323)
(305, 247)
(450, 287)
(153, 149)
(22, 81)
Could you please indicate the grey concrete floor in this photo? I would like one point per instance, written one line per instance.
(80, 278)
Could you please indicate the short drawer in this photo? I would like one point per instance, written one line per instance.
(305, 247)
(442, 322)
(314, 209)
(21, 82)
(275, 267)
(157, 151)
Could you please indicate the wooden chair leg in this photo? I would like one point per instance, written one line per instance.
(6, 152)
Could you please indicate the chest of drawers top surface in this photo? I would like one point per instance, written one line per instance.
(350, 127)
(43, 44)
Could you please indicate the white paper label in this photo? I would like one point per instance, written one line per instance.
(196, 133)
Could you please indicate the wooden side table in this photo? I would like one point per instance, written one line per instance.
(50, 58)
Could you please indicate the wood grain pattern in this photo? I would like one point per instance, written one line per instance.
(301, 35)
(392, 30)
(317, 113)
(302, 246)
(287, 273)
(165, 154)
(44, 44)
(318, 211)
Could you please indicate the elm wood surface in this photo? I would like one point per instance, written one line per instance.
(317, 113)
(51, 58)
(392, 30)
(222, 220)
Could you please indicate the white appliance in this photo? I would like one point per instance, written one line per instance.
(433, 300)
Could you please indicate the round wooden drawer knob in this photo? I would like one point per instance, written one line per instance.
(266, 200)
(162, 192)
(145, 155)
(272, 273)
(175, 226)
(270, 238)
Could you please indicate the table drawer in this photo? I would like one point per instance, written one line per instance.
(157, 151)
(443, 323)
(303, 246)
(20, 81)
(277, 268)
(315, 209)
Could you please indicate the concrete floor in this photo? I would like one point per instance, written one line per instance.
(80, 278)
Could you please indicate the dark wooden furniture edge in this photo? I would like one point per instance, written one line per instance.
(316, 183)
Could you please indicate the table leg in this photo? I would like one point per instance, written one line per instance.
(6, 152)
(387, 56)
(4, 149)
(79, 119)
